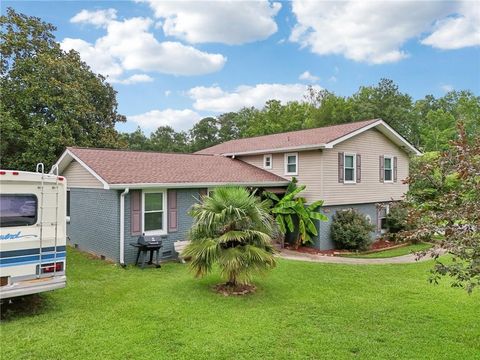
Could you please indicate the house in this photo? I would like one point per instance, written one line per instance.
(115, 195)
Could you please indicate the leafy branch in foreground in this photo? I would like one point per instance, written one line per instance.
(448, 206)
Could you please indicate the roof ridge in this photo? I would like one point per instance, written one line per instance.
(135, 150)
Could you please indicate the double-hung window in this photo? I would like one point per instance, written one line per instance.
(154, 212)
(349, 168)
(388, 169)
(267, 161)
(291, 164)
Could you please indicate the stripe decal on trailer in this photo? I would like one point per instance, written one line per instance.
(24, 260)
(33, 251)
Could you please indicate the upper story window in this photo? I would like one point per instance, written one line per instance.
(349, 168)
(267, 161)
(291, 164)
(154, 212)
(388, 168)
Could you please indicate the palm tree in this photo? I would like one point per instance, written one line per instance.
(231, 228)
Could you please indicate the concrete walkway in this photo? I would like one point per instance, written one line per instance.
(295, 255)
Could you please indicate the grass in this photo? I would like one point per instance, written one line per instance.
(404, 250)
(300, 311)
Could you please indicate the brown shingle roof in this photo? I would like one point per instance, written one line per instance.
(142, 167)
(292, 139)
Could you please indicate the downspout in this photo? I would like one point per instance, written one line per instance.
(122, 226)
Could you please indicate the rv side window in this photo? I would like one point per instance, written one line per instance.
(68, 202)
(18, 210)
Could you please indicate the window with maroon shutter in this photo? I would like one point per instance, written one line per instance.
(381, 168)
(172, 210)
(136, 212)
(340, 167)
(359, 168)
(395, 169)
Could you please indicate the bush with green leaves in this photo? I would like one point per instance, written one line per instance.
(351, 230)
(292, 214)
(396, 220)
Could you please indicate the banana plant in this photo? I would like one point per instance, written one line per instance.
(290, 207)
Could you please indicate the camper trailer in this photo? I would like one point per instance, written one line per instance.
(32, 232)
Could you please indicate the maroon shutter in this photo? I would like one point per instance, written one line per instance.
(381, 168)
(395, 169)
(136, 212)
(172, 210)
(359, 168)
(340, 167)
(202, 192)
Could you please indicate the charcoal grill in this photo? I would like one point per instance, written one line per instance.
(148, 244)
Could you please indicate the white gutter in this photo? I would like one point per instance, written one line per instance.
(122, 226)
(195, 185)
(275, 150)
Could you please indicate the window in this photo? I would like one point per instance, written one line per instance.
(267, 161)
(154, 212)
(18, 210)
(349, 168)
(382, 218)
(388, 169)
(291, 164)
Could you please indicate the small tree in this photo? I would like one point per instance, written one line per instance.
(351, 230)
(292, 208)
(396, 219)
(231, 228)
(446, 203)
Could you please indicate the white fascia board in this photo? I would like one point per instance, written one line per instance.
(195, 185)
(277, 150)
(386, 130)
(77, 159)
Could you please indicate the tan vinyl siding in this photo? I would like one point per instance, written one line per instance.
(79, 177)
(309, 170)
(370, 145)
(311, 164)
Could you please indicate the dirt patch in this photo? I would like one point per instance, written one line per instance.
(22, 306)
(310, 250)
(378, 245)
(238, 290)
(382, 244)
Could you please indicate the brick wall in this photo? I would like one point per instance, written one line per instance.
(95, 221)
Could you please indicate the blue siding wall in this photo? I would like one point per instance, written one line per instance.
(324, 242)
(95, 221)
(185, 199)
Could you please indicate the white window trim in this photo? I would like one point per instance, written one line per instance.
(391, 168)
(164, 215)
(387, 210)
(265, 159)
(354, 181)
(285, 160)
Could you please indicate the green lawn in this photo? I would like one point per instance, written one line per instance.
(301, 311)
(404, 250)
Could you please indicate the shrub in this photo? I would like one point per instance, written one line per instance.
(396, 220)
(351, 230)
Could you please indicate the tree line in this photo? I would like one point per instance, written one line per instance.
(50, 99)
(429, 123)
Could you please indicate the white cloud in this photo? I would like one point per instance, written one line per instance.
(368, 31)
(97, 17)
(462, 30)
(168, 92)
(446, 88)
(134, 79)
(178, 119)
(307, 76)
(129, 45)
(228, 22)
(216, 99)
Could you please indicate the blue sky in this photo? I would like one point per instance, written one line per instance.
(173, 63)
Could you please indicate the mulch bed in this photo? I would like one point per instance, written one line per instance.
(228, 290)
(380, 244)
